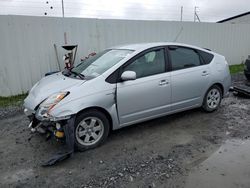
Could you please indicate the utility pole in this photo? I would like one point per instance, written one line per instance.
(65, 34)
(196, 15)
(181, 12)
(62, 9)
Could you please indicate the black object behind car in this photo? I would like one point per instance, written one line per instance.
(247, 69)
(242, 87)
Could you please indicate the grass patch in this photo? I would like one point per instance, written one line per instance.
(12, 101)
(236, 68)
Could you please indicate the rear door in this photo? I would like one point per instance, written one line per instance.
(150, 94)
(189, 77)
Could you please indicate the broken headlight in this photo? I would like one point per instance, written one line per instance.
(47, 105)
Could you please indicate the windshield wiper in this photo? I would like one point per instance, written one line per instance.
(78, 74)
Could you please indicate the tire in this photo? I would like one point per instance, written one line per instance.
(91, 129)
(212, 99)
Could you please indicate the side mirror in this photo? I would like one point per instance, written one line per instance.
(128, 75)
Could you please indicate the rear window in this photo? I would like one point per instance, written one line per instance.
(206, 57)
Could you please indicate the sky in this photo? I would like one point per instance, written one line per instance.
(207, 10)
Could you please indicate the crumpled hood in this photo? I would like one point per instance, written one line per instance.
(47, 86)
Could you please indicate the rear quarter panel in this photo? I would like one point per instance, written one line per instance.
(220, 72)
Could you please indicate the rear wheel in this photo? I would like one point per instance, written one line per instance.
(91, 129)
(212, 99)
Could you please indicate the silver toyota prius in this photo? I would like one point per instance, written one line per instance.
(124, 85)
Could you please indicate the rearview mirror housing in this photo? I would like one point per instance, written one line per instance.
(128, 75)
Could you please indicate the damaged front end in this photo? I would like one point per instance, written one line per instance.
(62, 128)
(48, 127)
(43, 122)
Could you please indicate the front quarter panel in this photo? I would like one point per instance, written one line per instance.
(89, 96)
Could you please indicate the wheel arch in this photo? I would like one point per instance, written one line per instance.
(100, 109)
(220, 86)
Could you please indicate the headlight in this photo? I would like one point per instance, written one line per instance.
(46, 106)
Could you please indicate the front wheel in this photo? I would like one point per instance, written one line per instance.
(91, 129)
(212, 99)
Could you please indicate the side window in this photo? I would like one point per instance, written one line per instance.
(206, 57)
(148, 64)
(182, 58)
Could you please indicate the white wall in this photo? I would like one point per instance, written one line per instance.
(27, 52)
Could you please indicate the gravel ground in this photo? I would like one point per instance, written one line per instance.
(10, 111)
(157, 153)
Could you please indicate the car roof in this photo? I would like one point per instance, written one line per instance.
(143, 46)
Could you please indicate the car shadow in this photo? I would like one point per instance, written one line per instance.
(154, 123)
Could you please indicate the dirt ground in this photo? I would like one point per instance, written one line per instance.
(165, 152)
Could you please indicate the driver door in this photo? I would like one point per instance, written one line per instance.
(149, 95)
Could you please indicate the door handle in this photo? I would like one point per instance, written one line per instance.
(204, 73)
(163, 82)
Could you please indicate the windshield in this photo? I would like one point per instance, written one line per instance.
(98, 64)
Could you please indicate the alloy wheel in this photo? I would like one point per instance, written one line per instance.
(89, 131)
(213, 98)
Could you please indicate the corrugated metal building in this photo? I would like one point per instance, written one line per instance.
(238, 19)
